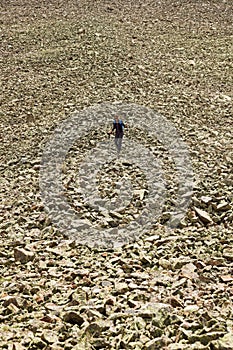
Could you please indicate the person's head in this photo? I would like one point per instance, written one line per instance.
(117, 119)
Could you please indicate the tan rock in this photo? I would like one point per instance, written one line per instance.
(203, 215)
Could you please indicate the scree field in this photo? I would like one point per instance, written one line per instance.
(167, 288)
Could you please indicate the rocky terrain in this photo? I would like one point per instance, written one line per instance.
(169, 288)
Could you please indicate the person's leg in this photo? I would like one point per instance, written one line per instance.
(119, 144)
(116, 142)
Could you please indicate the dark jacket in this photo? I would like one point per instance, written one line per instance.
(119, 127)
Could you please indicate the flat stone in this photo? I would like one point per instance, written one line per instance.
(116, 215)
(160, 310)
(152, 238)
(140, 275)
(206, 199)
(175, 302)
(191, 309)
(226, 278)
(223, 206)
(205, 338)
(203, 215)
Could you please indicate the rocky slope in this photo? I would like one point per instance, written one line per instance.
(169, 289)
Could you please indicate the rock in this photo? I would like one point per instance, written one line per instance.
(12, 309)
(178, 263)
(157, 311)
(11, 300)
(206, 199)
(140, 193)
(157, 343)
(99, 343)
(223, 206)
(165, 263)
(182, 346)
(106, 284)
(224, 343)
(116, 215)
(140, 275)
(73, 317)
(228, 254)
(187, 271)
(121, 287)
(205, 338)
(50, 337)
(216, 261)
(180, 283)
(93, 314)
(152, 238)
(133, 286)
(23, 255)
(191, 309)
(58, 347)
(175, 302)
(16, 346)
(38, 343)
(225, 97)
(203, 215)
(98, 327)
(226, 278)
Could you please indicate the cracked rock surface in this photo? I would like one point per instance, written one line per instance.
(168, 288)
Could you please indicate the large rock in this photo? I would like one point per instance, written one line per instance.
(203, 215)
(73, 317)
(224, 343)
(23, 255)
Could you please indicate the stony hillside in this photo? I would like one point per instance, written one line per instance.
(169, 288)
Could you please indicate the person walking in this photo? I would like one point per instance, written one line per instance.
(118, 126)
